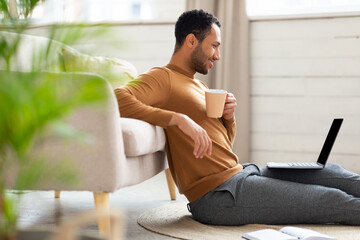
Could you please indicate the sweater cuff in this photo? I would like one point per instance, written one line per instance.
(228, 122)
(164, 118)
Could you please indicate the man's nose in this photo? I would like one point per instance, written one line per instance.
(217, 55)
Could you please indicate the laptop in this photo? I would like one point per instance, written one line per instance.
(324, 154)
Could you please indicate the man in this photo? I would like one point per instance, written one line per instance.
(199, 149)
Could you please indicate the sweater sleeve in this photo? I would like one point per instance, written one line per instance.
(142, 98)
(230, 125)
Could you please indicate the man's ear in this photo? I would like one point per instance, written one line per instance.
(191, 41)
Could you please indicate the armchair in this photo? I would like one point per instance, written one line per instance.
(123, 151)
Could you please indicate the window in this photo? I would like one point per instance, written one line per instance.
(264, 8)
(94, 11)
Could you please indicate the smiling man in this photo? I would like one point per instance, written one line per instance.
(202, 44)
(199, 149)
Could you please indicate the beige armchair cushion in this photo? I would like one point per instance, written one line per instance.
(31, 56)
(141, 138)
(32, 53)
(116, 71)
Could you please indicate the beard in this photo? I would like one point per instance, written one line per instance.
(198, 60)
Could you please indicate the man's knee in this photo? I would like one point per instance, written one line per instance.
(334, 166)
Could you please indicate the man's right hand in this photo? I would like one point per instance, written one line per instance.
(202, 141)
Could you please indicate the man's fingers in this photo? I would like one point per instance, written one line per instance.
(230, 106)
(196, 146)
(201, 148)
(209, 150)
(204, 146)
(207, 146)
(230, 100)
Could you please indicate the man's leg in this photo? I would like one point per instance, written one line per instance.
(263, 200)
(333, 175)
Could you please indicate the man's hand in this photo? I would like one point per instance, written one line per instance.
(230, 105)
(202, 142)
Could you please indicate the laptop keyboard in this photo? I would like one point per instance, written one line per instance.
(302, 164)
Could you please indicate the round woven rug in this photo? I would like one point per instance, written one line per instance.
(174, 220)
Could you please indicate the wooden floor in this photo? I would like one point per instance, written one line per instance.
(40, 208)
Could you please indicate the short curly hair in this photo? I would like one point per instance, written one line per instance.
(197, 22)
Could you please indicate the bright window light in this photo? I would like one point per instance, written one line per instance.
(261, 8)
(93, 11)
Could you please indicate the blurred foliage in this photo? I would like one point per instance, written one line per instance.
(34, 105)
(23, 7)
(8, 220)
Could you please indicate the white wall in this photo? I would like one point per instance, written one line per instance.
(304, 73)
(144, 45)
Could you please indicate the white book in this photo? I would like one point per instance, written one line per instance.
(287, 233)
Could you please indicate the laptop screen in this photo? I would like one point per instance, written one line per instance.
(329, 141)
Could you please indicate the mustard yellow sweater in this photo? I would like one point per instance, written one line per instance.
(153, 98)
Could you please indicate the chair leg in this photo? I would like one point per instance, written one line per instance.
(57, 194)
(102, 204)
(171, 184)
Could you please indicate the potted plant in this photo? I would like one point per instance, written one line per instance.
(32, 106)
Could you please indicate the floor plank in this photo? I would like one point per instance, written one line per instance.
(40, 208)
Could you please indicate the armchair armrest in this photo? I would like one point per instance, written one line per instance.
(100, 158)
(141, 138)
(97, 160)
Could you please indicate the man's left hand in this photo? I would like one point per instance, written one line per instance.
(230, 105)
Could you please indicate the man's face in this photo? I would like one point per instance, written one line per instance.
(207, 52)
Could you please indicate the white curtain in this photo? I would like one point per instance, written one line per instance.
(232, 71)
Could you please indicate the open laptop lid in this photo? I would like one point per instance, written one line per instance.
(329, 141)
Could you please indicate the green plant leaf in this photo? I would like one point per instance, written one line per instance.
(37, 170)
(34, 106)
(9, 215)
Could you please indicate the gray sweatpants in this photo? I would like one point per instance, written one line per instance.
(274, 196)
